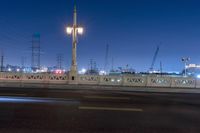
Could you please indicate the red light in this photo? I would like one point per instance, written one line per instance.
(58, 71)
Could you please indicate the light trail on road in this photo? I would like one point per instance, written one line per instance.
(37, 100)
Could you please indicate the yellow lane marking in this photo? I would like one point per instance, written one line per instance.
(111, 109)
(106, 97)
(10, 94)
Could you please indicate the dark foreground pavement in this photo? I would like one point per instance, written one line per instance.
(73, 111)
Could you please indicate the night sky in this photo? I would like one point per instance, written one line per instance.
(132, 28)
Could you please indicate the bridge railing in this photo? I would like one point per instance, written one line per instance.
(141, 80)
(88, 79)
(134, 80)
(21, 79)
(34, 78)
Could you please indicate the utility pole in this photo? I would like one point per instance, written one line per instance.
(161, 67)
(2, 60)
(112, 64)
(185, 60)
(106, 58)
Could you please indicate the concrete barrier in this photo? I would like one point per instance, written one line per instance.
(158, 81)
(183, 82)
(134, 80)
(197, 83)
(46, 80)
(111, 80)
(88, 79)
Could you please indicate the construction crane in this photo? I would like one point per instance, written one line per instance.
(154, 58)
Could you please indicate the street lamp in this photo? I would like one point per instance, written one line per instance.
(74, 31)
(69, 30)
(185, 60)
(78, 30)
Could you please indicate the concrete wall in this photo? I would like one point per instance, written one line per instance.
(111, 80)
(134, 80)
(159, 81)
(184, 82)
(50, 80)
(139, 80)
(88, 79)
(31, 80)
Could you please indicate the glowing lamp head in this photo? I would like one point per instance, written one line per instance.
(198, 76)
(69, 30)
(80, 30)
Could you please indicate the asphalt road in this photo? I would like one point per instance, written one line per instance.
(73, 111)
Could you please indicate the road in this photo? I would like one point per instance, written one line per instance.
(93, 111)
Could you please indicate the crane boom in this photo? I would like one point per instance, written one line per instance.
(154, 58)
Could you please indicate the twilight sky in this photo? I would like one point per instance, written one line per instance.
(132, 28)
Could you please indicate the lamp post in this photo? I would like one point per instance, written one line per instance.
(185, 60)
(74, 31)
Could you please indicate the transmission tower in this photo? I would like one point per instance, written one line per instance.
(112, 64)
(93, 65)
(36, 51)
(106, 58)
(23, 61)
(59, 61)
(2, 60)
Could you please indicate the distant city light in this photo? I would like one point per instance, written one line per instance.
(102, 72)
(58, 71)
(42, 70)
(9, 69)
(82, 71)
(118, 80)
(198, 76)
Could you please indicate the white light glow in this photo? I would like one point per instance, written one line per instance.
(102, 72)
(69, 30)
(118, 80)
(80, 30)
(82, 71)
(198, 76)
(9, 69)
(112, 80)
